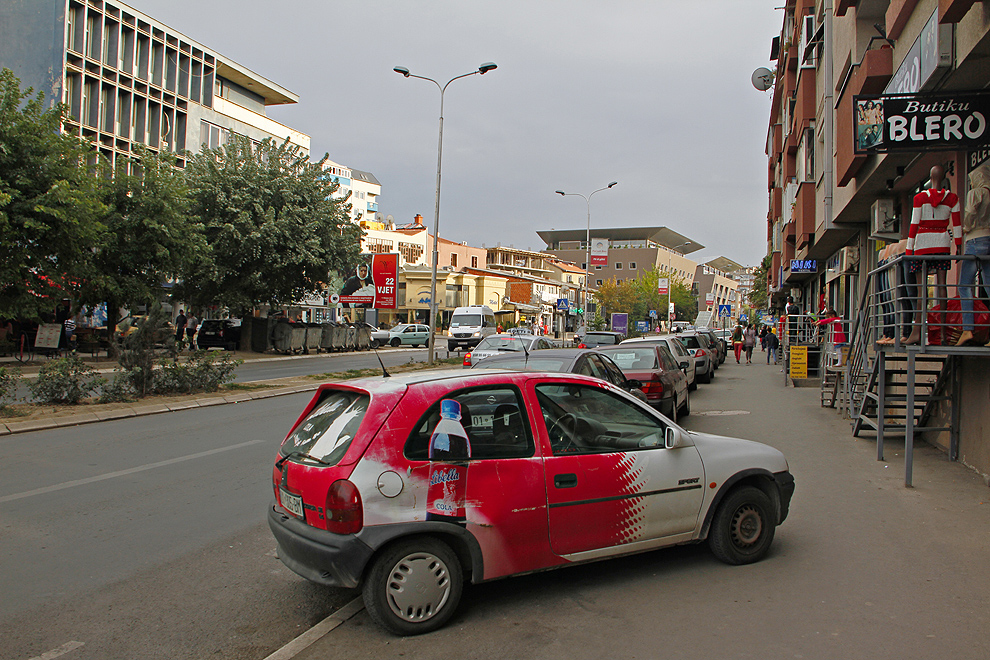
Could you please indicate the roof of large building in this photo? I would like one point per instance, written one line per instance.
(662, 235)
(367, 177)
(724, 264)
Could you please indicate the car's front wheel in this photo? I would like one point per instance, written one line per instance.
(743, 528)
(375, 343)
(395, 342)
(413, 587)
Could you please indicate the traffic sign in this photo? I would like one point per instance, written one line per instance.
(653, 313)
(563, 304)
(724, 311)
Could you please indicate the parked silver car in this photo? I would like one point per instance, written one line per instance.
(684, 359)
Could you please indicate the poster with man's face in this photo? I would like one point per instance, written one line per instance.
(372, 284)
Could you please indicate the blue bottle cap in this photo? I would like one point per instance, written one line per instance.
(450, 408)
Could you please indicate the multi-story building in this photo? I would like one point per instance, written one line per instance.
(715, 287)
(868, 96)
(363, 189)
(130, 80)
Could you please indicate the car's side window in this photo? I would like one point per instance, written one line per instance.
(613, 373)
(583, 419)
(494, 421)
(667, 360)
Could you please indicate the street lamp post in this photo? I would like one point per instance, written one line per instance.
(483, 69)
(587, 262)
(670, 286)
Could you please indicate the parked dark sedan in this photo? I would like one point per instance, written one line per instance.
(582, 361)
(663, 381)
(599, 338)
(219, 333)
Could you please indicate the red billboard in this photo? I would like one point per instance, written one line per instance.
(373, 283)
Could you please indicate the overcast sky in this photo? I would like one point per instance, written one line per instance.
(654, 94)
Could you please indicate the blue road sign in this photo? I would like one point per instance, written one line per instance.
(563, 304)
(724, 311)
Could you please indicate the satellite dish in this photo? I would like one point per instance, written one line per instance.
(378, 217)
(762, 79)
(389, 218)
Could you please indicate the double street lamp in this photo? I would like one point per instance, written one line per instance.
(587, 263)
(483, 69)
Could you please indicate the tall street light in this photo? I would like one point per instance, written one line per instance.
(670, 286)
(483, 69)
(587, 262)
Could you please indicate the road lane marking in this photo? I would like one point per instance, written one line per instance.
(62, 650)
(313, 635)
(122, 473)
(718, 413)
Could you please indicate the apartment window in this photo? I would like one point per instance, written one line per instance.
(618, 281)
(618, 265)
(584, 266)
(70, 27)
(632, 265)
(212, 136)
(474, 262)
(598, 282)
(598, 267)
(453, 260)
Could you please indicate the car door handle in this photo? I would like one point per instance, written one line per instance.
(565, 480)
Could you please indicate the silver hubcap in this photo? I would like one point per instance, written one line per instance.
(418, 587)
(747, 525)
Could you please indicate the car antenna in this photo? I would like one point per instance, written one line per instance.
(525, 350)
(385, 373)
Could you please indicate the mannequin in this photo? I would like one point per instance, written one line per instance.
(933, 210)
(976, 225)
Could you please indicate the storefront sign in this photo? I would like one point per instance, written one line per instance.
(663, 286)
(804, 265)
(599, 252)
(799, 362)
(930, 54)
(921, 122)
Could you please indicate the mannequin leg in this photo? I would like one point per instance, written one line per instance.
(911, 290)
(942, 293)
(967, 277)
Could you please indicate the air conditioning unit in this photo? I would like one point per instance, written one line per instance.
(883, 222)
(849, 259)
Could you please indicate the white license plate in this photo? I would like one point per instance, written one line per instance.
(481, 421)
(291, 503)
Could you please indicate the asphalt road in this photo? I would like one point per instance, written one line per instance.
(145, 538)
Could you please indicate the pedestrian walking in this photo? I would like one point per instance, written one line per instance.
(192, 323)
(772, 343)
(737, 342)
(749, 343)
(180, 327)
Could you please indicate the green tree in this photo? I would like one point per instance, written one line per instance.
(613, 298)
(148, 236)
(49, 207)
(275, 231)
(758, 296)
(646, 286)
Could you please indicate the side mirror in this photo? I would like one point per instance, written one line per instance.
(634, 384)
(671, 438)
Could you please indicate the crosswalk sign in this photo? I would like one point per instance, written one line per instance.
(724, 311)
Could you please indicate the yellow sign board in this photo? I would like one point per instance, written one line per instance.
(799, 362)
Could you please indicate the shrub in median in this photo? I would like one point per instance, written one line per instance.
(118, 390)
(65, 380)
(202, 372)
(8, 385)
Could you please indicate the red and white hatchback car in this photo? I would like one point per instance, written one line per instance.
(409, 486)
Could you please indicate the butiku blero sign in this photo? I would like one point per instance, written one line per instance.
(921, 122)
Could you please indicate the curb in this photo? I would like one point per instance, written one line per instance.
(77, 419)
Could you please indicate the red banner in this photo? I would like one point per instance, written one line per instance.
(385, 272)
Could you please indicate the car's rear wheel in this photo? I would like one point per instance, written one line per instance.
(414, 587)
(395, 342)
(743, 528)
(375, 343)
(705, 378)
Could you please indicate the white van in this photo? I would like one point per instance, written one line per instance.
(469, 325)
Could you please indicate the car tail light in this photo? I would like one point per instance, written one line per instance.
(467, 359)
(653, 389)
(582, 346)
(699, 353)
(345, 513)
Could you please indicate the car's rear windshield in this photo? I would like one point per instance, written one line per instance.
(459, 320)
(599, 340)
(210, 325)
(644, 357)
(533, 364)
(328, 430)
(691, 341)
(502, 344)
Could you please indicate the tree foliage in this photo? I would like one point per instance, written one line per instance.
(274, 230)
(148, 236)
(758, 296)
(637, 297)
(49, 207)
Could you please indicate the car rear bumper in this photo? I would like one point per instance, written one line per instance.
(334, 560)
